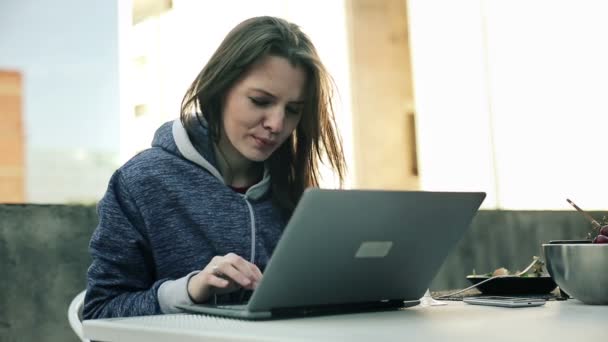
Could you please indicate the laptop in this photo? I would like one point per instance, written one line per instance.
(347, 251)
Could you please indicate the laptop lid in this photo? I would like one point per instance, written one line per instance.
(343, 247)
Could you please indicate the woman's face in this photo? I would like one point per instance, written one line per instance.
(262, 109)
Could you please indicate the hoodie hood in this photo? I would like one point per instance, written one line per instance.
(173, 138)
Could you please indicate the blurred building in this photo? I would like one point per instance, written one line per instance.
(476, 95)
(12, 142)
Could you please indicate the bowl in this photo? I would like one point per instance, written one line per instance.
(579, 269)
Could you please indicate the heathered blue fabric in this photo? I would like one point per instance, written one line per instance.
(161, 218)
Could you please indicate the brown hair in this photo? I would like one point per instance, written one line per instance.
(294, 166)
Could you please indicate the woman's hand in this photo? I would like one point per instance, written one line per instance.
(222, 275)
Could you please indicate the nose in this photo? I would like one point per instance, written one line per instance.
(274, 120)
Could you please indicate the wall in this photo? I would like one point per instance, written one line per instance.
(44, 258)
(510, 99)
(12, 144)
(43, 261)
(503, 238)
(382, 95)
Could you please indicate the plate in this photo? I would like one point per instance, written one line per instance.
(514, 285)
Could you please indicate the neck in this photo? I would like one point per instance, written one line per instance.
(237, 172)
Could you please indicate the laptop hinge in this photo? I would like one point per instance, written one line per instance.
(330, 309)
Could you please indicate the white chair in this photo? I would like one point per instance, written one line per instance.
(75, 315)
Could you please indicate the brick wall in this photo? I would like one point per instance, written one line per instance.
(12, 151)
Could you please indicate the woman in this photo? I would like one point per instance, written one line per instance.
(197, 216)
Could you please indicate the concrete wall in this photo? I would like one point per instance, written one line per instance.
(43, 262)
(499, 238)
(43, 259)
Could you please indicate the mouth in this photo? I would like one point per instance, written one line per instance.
(264, 143)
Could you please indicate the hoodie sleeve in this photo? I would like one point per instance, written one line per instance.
(121, 279)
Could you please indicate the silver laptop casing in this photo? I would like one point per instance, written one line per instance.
(354, 248)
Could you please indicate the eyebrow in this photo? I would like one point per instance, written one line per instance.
(274, 96)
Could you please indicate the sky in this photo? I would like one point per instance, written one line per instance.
(67, 52)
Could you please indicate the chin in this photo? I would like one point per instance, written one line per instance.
(257, 156)
(258, 159)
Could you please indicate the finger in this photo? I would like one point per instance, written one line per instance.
(218, 282)
(217, 265)
(251, 270)
(248, 269)
(257, 272)
(230, 287)
(251, 286)
(254, 272)
(216, 271)
(232, 273)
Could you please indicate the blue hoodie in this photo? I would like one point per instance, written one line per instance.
(166, 213)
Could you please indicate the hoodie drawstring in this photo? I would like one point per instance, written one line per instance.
(252, 218)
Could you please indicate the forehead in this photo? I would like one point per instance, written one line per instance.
(277, 76)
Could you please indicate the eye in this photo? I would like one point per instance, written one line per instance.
(293, 110)
(259, 102)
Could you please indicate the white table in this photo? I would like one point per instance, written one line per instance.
(556, 321)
